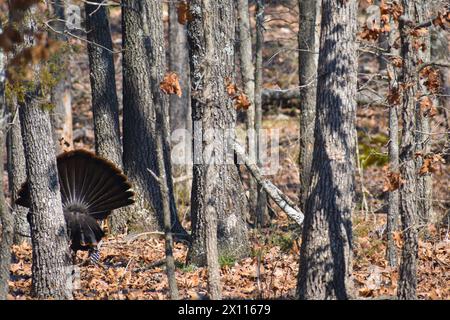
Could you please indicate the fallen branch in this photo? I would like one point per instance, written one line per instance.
(287, 96)
(285, 204)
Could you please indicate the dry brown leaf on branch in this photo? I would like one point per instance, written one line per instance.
(392, 182)
(441, 19)
(397, 61)
(396, 10)
(394, 96)
(241, 102)
(430, 164)
(370, 34)
(231, 88)
(427, 107)
(432, 78)
(184, 15)
(171, 84)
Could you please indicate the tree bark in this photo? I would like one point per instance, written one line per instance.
(105, 105)
(180, 107)
(394, 197)
(51, 268)
(408, 197)
(16, 171)
(165, 200)
(143, 68)
(423, 137)
(216, 185)
(326, 251)
(262, 217)
(61, 98)
(248, 79)
(308, 45)
(6, 216)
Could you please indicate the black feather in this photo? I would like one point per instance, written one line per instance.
(91, 187)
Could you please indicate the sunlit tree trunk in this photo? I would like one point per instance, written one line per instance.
(326, 251)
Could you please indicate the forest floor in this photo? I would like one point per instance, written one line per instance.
(129, 268)
(130, 265)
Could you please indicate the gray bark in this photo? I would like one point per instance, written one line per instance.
(105, 105)
(261, 202)
(6, 216)
(326, 251)
(51, 268)
(308, 45)
(165, 200)
(394, 197)
(216, 185)
(180, 107)
(61, 98)
(212, 253)
(407, 283)
(248, 78)
(423, 138)
(143, 70)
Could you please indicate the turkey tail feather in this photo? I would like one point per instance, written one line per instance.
(89, 184)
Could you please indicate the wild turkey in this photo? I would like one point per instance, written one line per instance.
(91, 187)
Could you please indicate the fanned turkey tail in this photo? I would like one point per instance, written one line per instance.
(91, 187)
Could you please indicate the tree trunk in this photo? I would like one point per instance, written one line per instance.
(165, 200)
(6, 217)
(16, 171)
(216, 185)
(308, 45)
(326, 252)
(105, 105)
(394, 197)
(61, 99)
(51, 270)
(248, 79)
(143, 68)
(408, 197)
(212, 253)
(180, 107)
(262, 217)
(423, 137)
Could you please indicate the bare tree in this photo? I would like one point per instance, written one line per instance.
(308, 54)
(394, 197)
(261, 202)
(423, 136)
(248, 78)
(16, 170)
(408, 197)
(165, 200)
(180, 107)
(61, 98)
(6, 217)
(143, 68)
(105, 105)
(326, 251)
(216, 186)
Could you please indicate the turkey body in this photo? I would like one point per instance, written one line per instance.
(91, 187)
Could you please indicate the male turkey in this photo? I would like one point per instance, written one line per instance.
(91, 187)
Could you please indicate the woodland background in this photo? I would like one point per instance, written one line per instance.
(133, 264)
